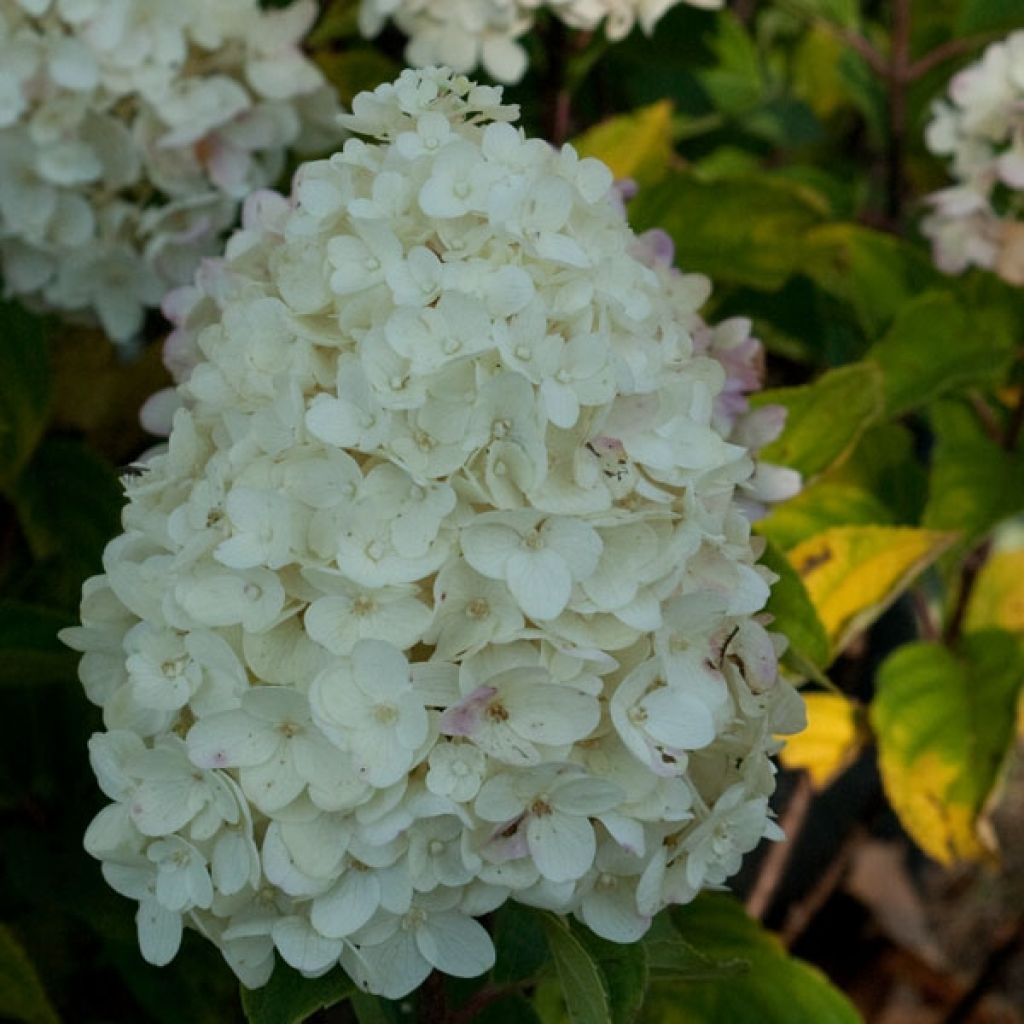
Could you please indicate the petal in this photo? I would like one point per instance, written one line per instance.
(677, 720)
(302, 947)
(488, 546)
(562, 846)
(456, 944)
(348, 905)
(159, 932)
(552, 714)
(540, 582)
(231, 739)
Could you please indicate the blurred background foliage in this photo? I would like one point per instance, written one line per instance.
(780, 144)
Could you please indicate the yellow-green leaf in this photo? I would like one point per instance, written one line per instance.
(636, 145)
(22, 996)
(825, 419)
(974, 482)
(881, 484)
(583, 987)
(853, 573)
(777, 988)
(875, 272)
(832, 739)
(746, 230)
(793, 611)
(933, 346)
(997, 600)
(944, 723)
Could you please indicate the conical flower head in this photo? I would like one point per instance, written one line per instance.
(442, 581)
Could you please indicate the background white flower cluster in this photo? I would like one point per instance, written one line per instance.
(441, 593)
(978, 221)
(129, 132)
(465, 34)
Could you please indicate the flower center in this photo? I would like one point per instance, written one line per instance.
(478, 608)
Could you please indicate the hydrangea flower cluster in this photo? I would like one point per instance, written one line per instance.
(441, 593)
(130, 131)
(978, 221)
(465, 34)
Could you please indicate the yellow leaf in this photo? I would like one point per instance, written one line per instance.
(637, 145)
(998, 597)
(853, 573)
(833, 737)
(944, 726)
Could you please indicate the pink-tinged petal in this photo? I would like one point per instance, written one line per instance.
(463, 719)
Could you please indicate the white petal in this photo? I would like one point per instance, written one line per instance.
(159, 932)
(302, 947)
(456, 944)
(562, 846)
(540, 581)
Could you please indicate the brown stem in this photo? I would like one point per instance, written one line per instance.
(558, 109)
(1015, 423)
(899, 63)
(926, 624)
(773, 867)
(432, 1005)
(802, 913)
(998, 957)
(947, 51)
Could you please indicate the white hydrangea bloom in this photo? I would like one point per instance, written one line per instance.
(129, 133)
(979, 221)
(396, 631)
(466, 34)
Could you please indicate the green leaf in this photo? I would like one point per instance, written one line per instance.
(882, 483)
(68, 503)
(671, 958)
(637, 145)
(353, 71)
(736, 81)
(583, 986)
(745, 231)
(30, 653)
(24, 388)
(876, 273)
(624, 968)
(933, 347)
(826, 418)
(22, 996)
(974, 483)
(839, 12)
(519, 943)
(372, 1009)
(510, 1009)
(988, 15)
(944, 724)
(793, 611)
(289, 998)
(777, 989)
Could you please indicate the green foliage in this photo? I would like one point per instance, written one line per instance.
(825, 419)
(584, 989)
(24, 388)
(775, 989)
(22, 997)
(732, 230)
(288, 998)
(944, 722)
(793, 613)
